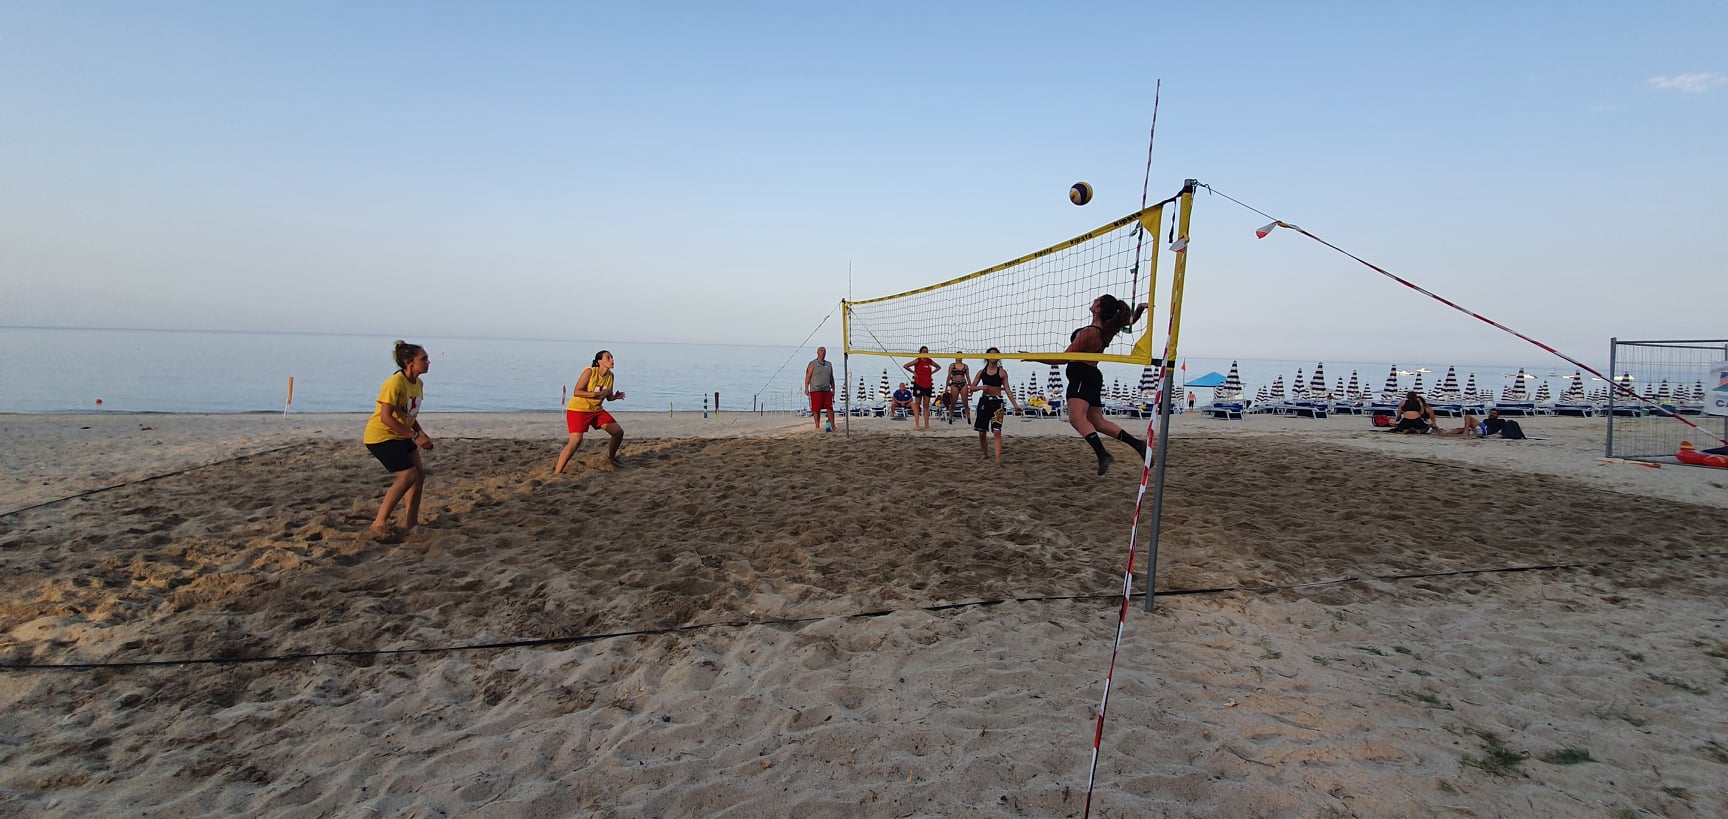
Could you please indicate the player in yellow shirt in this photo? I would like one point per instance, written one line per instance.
(393, 433)
(585, 410)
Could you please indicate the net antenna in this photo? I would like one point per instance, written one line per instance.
(1027, 306)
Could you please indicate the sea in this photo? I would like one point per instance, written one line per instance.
(61, 370)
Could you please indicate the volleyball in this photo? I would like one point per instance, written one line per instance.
(1080, 194)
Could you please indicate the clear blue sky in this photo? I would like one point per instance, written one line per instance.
(708, 172)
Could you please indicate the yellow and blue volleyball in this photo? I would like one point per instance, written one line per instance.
(1080, 194)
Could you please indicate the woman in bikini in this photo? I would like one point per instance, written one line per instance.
(992, 380)
(959, 376)
(1086, 382)
(1414, 415)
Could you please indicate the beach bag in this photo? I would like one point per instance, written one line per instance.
(1512, 430)
(1382, 420)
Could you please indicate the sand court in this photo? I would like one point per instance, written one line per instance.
(774, 622)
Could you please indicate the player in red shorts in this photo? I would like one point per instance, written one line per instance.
(585, 411)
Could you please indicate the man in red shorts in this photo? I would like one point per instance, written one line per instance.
(819, 385)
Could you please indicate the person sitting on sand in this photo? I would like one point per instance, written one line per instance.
(1414, 415)
(584, 412)
(902, 400)
(394, 431)
(1505, 428)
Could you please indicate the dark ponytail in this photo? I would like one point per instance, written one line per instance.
(597, 357)
(405, 352)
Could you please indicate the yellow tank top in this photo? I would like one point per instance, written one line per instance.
(597, 382)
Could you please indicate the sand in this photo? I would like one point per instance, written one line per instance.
(749, 618)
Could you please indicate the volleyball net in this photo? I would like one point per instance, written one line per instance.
(1026, 307)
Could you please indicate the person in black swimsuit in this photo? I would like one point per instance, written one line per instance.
(1086, 383)
(1414, 415)
(992, 381)
(959, 375)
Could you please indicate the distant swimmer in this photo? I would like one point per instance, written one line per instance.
(586, 410)
(393, 433)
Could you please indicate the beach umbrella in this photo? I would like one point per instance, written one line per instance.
(1148, 380)
(1298, 387)
(1317, 383)
(1340, 391)
(1278, 387)
(1053, 384)
(1470, 387)
(1542, 393)
(1449, 384)
(1662, 393)
(1264, 395)
(1697, 392)
(885, 391)
(1574, 391)
(1390, 391)
(1417, 387)
(1232, 385)
(1354, 387)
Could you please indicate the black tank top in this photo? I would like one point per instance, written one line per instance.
(988, 379)
(1106, 335)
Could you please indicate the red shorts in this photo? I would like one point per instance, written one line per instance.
(821, 400)
(584, 421)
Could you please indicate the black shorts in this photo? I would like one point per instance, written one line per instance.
(1086, 383)
(395, 455)
(989, 417)
(923, 392)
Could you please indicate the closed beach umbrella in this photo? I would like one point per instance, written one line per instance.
(1353, 387)
(883, 395)
(1697, 392)
(1317, 384)
(1054, 383)
(1278, 387)
(1264, 395)
(1232, 385)
(1390, 391)
(1148, 381)
(1542, 393)
(1417, 387)
(1662, 393)
(1470, 387)
(1298, 387)
(1449, 384)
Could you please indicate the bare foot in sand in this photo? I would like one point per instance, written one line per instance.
(381, 534)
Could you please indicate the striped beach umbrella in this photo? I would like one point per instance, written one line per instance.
(1264, 395)
(1053, 384)
(1417, 387)
(1574, 391)
(1232, 385)
(1449, 384)
(1697, 392)
(1470, 387)
(1298, 387)
(1389, 392)
(1353, 387)
(1542, 395)
(1278, 387)
(1662, 393)
(1317, 382)
(1148, 381)
(883, 394)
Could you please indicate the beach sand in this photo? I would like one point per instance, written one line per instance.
(750, 618)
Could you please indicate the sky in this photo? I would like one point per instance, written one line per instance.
(726, 173)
